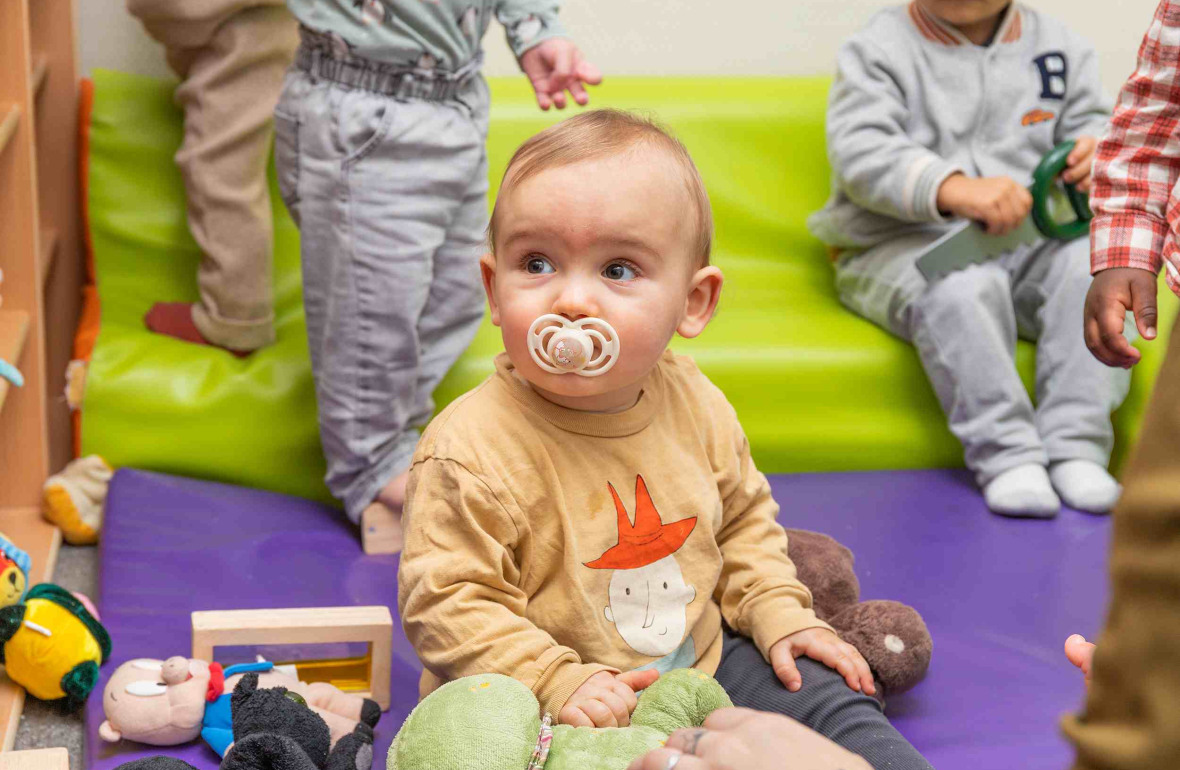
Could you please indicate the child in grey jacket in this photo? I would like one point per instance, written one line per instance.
(943, 109)
(381, 161)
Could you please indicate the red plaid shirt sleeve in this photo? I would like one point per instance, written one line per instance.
(1138, 161)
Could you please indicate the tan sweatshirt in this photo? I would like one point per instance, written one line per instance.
(549, 544)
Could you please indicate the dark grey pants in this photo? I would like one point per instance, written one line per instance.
(825, 703)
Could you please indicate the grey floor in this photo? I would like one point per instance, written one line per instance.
(43, 725)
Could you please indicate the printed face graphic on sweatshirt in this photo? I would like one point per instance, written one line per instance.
(647, 597)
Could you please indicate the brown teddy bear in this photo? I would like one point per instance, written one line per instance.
(891, 636)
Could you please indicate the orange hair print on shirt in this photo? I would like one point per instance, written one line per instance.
(648, 540)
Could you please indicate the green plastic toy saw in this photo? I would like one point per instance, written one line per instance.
(968, 243)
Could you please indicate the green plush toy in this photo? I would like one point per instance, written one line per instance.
(493, 722)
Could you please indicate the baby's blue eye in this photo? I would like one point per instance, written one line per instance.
(619, 271)
(538, 266)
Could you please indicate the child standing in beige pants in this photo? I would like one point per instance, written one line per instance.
(231, 56)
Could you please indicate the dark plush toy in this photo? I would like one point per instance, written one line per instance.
(156, 763)
(891, 636)
(275, 730)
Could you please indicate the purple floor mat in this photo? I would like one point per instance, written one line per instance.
(1000, 596)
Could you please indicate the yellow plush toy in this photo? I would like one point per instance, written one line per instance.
(52, 645)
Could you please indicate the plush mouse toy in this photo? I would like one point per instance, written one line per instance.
(891, 636)
(493, 722)
(169, 702)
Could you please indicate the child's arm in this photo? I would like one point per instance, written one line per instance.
(1137, 166)
(881, 167)
(551, 62)
(458, 589)
(758, 592)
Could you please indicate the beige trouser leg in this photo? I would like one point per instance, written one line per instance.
(1132, 715)
(231, 56)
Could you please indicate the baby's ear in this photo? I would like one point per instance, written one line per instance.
(487, 270)
(703, 294)
(108, 733)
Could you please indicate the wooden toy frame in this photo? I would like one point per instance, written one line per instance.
(314, 625)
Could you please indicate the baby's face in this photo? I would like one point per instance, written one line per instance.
(610, 238)
(964, 12)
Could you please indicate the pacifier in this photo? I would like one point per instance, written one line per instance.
(588, 346)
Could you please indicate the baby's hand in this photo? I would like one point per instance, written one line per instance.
(1079, 163)
(1113, 292)
(554, 65)
(1080, 653)
(605, 699)
(997, 202)
(822, 645)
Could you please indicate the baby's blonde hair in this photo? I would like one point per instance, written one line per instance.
(601, 133)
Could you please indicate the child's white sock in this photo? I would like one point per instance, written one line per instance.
(1022, 491)
(1085, 485)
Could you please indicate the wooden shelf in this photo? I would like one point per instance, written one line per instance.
(41, 541)
(40, 74)
(49, 248)
(14, 330)
(9, 118)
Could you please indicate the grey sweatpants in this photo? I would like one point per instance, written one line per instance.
(965, 328)
(825, 703)
(390, 195)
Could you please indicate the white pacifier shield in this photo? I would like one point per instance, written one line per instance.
(561, 346)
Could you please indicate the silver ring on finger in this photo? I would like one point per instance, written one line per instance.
(694, 739)
(673, 761)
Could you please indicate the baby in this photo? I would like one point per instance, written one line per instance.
(942, 109)
(590, 515)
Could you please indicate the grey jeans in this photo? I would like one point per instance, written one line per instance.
(965, 328)
(390, 195)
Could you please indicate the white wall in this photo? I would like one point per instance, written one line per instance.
(666, 37)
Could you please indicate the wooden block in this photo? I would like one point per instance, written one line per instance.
(381, 530)
(304, 625)
(35, 759)
(41, 540)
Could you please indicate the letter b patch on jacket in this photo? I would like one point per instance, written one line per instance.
(1054, 70)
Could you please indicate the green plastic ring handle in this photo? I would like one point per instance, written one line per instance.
(1044, 177)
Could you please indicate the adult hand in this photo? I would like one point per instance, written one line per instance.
(740, 739)
(555, 65)
(1081, 654)
(1113, 292)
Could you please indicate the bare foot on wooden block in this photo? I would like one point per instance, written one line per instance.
(381, 529)
(175, 319)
